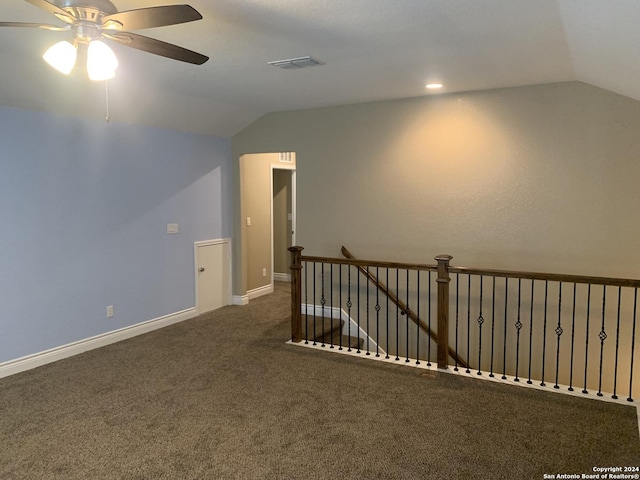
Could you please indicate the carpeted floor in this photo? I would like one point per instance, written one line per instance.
(223, 396)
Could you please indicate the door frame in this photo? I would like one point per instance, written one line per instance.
(204, 243)
(292, 168)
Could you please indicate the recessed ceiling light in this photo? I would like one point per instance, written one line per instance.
(434, 86)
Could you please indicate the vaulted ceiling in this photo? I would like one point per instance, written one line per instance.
(371, 49)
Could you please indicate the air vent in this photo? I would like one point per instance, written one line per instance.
(286, 157)
(295, 63)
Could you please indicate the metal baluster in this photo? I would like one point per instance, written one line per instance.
(504, 341)
(586, 345)
(349, 304)
(387, 316)
(531, 331)
(331, 302)
(493, 323)
(359, 293)
(558, 333)
(457, 318)
(418, 315)
(322, 299)
(340, 303)
(633, 344)
(544, 331)
(468, 323)
(429, 321)
(406, 313)
(573, 334)
(377, 315)
(397, 315)
(602, 336)
(480, 322)
(615, 368)
(314, 303)
(306, 304)
(518, 326)
(368, 288)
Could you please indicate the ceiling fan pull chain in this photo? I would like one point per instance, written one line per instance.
(106, 93)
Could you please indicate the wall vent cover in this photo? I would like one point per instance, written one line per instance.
(286, 157)
(296, 63)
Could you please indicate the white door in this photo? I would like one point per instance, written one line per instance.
(212, 273)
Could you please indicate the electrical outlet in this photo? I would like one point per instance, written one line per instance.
(109, 311)
(264, 272)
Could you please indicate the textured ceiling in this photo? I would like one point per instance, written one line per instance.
(373, 50)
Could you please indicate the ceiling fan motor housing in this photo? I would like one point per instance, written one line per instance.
(84, 7)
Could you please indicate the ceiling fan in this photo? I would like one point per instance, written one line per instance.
(91, 21)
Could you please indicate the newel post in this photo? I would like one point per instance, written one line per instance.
(443, 309)
(296, 293)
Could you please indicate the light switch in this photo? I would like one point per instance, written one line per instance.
(248, 221)
(172, 228)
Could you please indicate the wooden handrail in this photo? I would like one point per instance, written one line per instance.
(403, 307)
(444, 271)
(370, 263)
(552, 277)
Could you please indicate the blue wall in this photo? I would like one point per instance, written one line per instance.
(84, 207)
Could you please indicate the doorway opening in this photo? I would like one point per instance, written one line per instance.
(267, 222)
(283, 228)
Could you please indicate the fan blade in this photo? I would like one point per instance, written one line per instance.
(157, 47)
(51, 8)
(34, 25)
(151, 17)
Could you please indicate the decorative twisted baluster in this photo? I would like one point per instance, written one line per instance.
(518, 326)
(559, 332)
(602, 336)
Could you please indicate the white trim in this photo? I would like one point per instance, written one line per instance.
(510, 380)
(53, 355)
(205, 243)
(260, 291)
(240, 300)
(282, 277)
(294, 203)
(292, 168)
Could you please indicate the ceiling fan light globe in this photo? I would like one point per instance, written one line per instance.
(101, 61)
(61, 56)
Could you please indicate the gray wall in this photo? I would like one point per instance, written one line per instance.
(539, 178)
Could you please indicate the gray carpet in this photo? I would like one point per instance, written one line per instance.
(223, 396)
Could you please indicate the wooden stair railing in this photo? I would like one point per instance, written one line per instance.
(615, 331)
(403, 307)
(332, 331)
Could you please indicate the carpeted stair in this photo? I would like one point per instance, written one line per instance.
(328, 332)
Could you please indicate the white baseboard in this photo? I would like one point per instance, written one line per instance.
(53, 355)
(282, 277)
(260, 291)
(240, 300)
